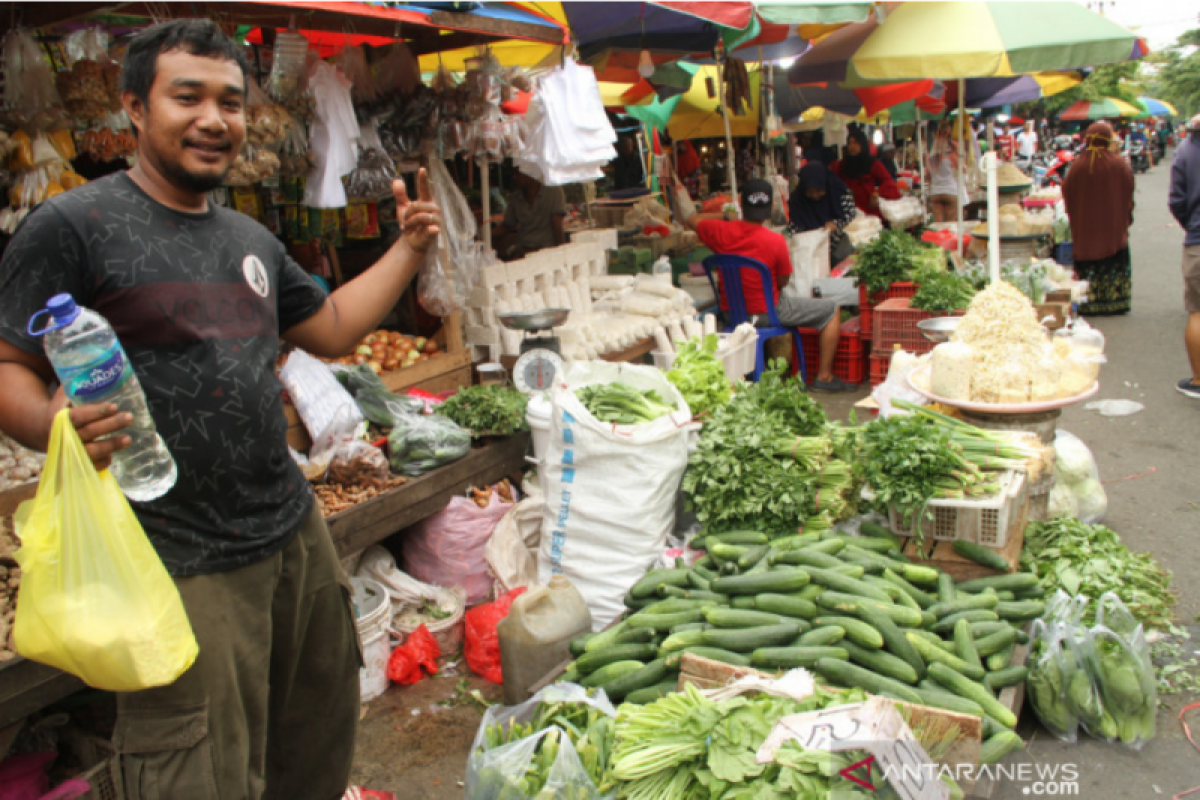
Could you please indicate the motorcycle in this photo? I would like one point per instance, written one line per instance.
(1139, 159)
(1052, 170)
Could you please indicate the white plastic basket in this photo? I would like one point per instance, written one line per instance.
(984, 520)
(737, 360)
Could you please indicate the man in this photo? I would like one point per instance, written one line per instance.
(628, 170)
(1139, 135)
(199, 296)
(1027, 145)
(534, 218)
(1185, 205)
(749, 237)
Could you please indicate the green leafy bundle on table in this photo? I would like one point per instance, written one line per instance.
(700, 376)
(766, 460)
(941, 290)
(892, 257)
(1090, 560)
(495, 410)
(622, 404)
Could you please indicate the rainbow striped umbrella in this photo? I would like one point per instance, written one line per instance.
(1104, 108)
(1157, 108)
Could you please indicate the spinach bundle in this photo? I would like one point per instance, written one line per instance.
(890, 258)
(495, 410)
(621, 404)
(700, 377)
(941, 290)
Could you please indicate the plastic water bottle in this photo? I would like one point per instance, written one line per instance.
(93, 368)
(662, 269)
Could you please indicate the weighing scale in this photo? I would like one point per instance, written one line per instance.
(541, 357)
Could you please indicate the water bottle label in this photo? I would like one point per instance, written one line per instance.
(99, 378)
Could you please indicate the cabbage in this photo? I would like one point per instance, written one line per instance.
(1091, 499)
(1074, 459)
(1062, 502)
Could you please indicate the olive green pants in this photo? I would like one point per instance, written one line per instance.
(270, 706)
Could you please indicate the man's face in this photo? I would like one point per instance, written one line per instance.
(194, 121)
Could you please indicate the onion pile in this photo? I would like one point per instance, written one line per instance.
(385, 351)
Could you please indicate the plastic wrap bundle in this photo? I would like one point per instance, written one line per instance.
(449, 276)
(334, 138)
(567, 134)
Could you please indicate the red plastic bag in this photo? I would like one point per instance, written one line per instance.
(419, 650)
(482, 647)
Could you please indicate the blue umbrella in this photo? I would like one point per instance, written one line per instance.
(1156, 108)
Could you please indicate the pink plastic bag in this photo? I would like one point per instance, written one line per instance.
(482, 647)
(448, 548)
(23, 777)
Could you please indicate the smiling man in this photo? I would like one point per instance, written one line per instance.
(200, 296)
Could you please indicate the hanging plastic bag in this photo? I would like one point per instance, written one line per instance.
(287, 77)
(410, 661)
(353, 61)
(96, 600)
(398, 72)
(31, 99)
(482, 644)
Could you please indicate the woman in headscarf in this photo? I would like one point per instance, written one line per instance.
(1098, 192)
(867, 178)
(822, 200)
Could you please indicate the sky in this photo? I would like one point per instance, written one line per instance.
(1160, 22)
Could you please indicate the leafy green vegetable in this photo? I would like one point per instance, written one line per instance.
(941, 290)
(622, 404)
(1091, 560)
(888, 259)
(495, 410)
(700, 377)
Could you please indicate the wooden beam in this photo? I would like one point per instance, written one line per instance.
(27, 686)
(498, 28)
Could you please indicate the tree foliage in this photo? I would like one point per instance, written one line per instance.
(1175, 74)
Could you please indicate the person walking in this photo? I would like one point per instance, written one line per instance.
(1098, 192)
(1027, 147)
(200, 296)
(1184, 202)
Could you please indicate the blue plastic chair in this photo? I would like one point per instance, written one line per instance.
(730, 268)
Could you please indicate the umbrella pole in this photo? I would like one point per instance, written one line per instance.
(991, 164)
(924, 193)
(485, 188)
(958, 190)
(730, 172)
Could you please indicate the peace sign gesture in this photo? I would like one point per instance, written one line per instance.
(421, 219)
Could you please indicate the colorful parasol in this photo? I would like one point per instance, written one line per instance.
(1104, 108)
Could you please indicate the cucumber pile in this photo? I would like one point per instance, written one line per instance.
(851, 609)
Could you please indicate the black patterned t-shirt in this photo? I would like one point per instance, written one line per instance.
(198, 301)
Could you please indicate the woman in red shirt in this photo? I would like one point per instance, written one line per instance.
(867, 178)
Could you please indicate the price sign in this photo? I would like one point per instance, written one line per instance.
(874, 726)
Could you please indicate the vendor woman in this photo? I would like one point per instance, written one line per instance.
(1098, 193)
(868, 179)
(822, 200)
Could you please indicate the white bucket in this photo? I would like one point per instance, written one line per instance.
(537, 414)
(373, 615)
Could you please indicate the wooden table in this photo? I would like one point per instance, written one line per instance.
(27, 686)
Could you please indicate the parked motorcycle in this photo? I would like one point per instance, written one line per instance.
(1139, 159)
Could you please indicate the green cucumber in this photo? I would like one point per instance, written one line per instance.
(1001, 659)
(670, 605)
(682, 640)
(720, 654)
(915, 573)
(735, 618)
(794, 541)
(737, 537)
(895, 641)
(830, 547)
(945, 588)
(931, 653)
(747, 640)
(893, 592)
(940, 698)
(853, 552)
(809, 593)
(620, 687)
(646, 586)
(882, 662)
(742, 601)
(922, 598)
(880, 546)
(656, 692)
(728, 553)
(932, 638)
(976, 692)
(806, 558)
(687, 626)
(996, 642)
(792, 657)
(664, 622)
(1013, 582)
(826, 636)
(752, 556)
(1003, 678)
(855, 571)
(693, 594)
(634, 603)
(593, 660)
(991, 727)
(968, 603)
(786, 605)
(983, 629)
(997, 747)
(791, 580)
(857, 631)
(873, 531)
(704, 572)
(964, 644)
(856, 605)
(610, 672)
(698, 580)
(604, 638)
(845, 584)
(846, 674)
(982, 555)
(1020, 610)
(945, 625)
(579, 643)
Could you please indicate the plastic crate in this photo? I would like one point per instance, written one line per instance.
(1064, 253)
(984, 520)
(868, 300)
(849, 362)
(879, 366)
(896, 324)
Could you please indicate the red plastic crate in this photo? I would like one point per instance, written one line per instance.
(849, 362)
(896, 324)
(867, 303)
(879, 369)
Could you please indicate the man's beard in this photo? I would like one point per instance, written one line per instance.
(191, 182)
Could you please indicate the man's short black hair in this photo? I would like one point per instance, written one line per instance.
(199, 37)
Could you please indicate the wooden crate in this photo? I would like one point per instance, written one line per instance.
(450, 369)
(1060, 312)
(944, 558)
(1012, 698)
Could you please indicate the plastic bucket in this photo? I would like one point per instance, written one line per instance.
(449, 631)
(373, 614)
(537, 414)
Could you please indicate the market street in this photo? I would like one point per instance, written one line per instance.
(1153, 502)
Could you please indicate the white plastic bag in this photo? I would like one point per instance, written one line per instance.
(610, 489)
(319, 400)
(379, 565)
(1075, 468)
(512, 552)
(334, 138)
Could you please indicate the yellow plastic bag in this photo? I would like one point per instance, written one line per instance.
(96, 600)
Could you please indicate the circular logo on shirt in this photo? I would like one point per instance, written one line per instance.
(256, 275)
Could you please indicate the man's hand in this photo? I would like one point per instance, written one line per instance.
(420, 220)
(831, 226)
(95, 421)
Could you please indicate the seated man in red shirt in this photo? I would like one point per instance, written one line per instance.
(749, 237)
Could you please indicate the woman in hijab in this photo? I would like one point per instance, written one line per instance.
(822, 200)
(1098, 192)
(867, 178)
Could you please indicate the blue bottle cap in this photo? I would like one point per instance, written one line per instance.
(62, 310)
